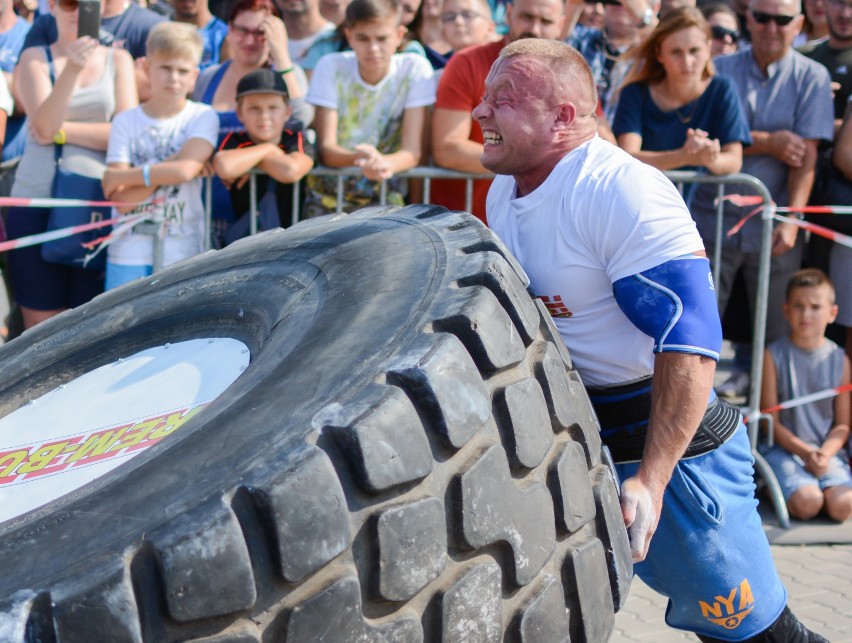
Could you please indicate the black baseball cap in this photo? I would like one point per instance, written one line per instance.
(262, 81)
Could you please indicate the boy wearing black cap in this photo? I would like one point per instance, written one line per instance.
(271, 142)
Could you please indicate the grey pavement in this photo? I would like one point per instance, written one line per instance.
(819, 585)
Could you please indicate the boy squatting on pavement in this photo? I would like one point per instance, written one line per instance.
(613, 241)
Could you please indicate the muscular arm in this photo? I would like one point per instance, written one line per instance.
(681, 388)
(672, 303)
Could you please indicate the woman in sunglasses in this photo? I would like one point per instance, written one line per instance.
(674, 112)
(724, 28)
(70, 92)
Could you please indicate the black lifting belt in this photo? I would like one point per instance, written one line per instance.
(623, 411)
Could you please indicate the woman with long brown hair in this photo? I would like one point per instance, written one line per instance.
(674, 112)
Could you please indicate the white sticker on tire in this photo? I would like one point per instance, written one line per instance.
(89, 426)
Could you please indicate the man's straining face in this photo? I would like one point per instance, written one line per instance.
(517, 114)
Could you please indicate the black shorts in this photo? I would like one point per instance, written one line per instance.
(38, 284)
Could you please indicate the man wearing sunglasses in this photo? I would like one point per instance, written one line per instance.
(787, 102)
(835, 54)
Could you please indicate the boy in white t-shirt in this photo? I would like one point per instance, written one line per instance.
(156, 153)
(371, 108)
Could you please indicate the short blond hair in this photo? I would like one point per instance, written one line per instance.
(567, 63)
(176, 39)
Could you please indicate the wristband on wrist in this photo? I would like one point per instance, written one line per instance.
(59, 138)
(146, 175)
(286, 71)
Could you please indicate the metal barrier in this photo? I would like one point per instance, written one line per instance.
(426, 172)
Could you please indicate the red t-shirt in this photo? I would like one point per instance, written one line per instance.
(460, 89)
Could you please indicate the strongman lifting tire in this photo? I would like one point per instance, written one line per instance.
(398, 450)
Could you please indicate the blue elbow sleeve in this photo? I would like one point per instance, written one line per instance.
(674, 304)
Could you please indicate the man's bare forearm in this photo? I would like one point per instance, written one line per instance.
(681, 388)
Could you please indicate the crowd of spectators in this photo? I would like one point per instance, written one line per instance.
(386, 85)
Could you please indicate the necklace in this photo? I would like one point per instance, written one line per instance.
(685, 119)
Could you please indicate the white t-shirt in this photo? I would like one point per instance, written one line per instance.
(600, 216)
(137, 139)
(371, 113)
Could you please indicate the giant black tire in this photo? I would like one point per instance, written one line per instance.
(409, 455)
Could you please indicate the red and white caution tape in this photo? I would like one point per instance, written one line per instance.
(739, 224)
(52, 235)
(49, 202)
(837, 237)
(807, 399)
(743, 201)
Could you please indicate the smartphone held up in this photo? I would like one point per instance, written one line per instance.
(89, 19)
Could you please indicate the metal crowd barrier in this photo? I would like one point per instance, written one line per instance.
(428, 173)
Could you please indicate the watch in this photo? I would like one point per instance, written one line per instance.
(647, 18)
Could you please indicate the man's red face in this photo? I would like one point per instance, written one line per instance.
(517, 116)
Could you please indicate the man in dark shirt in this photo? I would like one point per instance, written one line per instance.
(835, 54)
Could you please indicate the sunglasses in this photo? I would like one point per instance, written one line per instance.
(766, 18)
(720, 33)
(68, 5)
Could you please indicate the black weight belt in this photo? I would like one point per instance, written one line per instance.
(623, 413)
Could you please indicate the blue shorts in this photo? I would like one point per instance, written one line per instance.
(39, 284)
(709, 555)
(118, 274)
(792, 475)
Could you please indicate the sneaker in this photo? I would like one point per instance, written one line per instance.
(735, 386)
